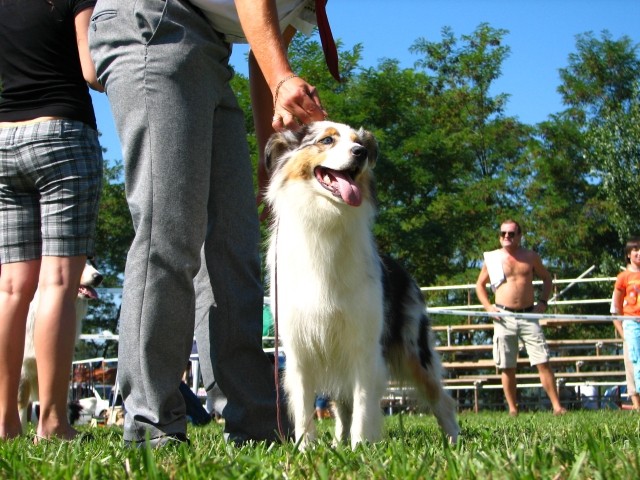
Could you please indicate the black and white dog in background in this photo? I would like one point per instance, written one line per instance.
(28, 389)
(347, 317)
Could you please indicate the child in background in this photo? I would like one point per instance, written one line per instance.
(632, 393)
(625, 302)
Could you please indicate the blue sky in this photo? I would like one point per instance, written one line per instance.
(541, 36)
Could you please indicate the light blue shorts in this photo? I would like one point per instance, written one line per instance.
(632, 339)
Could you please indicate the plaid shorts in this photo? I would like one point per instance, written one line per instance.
(50, 182)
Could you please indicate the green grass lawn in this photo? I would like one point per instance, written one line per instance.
(589, 445)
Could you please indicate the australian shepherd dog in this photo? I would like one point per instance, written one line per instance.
(349, 319)
(28, 389)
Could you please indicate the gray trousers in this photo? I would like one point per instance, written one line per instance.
(189, 188)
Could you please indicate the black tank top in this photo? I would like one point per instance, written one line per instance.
(40, 72)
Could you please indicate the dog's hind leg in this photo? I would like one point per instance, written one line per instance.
(430, 389)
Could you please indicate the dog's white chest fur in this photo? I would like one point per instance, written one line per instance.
(326, 286)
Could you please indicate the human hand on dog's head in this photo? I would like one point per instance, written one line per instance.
(295, 103)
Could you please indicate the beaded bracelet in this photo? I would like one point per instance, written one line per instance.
(277, 91)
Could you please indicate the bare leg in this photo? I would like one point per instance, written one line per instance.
(17, 286)
(635, 401)
(54, 341)
(549, 384)
(509, 385)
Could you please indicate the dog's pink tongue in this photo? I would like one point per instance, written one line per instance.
(349, 191)
(88, 292)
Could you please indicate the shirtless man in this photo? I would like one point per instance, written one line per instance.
(515, 294)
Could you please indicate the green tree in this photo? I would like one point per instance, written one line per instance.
(114, 233)
(580, 157)
(615, 148)
(567, 218)
(600, 77)
(600, 89)
(114, 229)
(455, 150)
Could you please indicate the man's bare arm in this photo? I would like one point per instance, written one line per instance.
(297, 101)
(547, 283)
(481, 290)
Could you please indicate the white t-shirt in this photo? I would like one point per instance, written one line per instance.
(223, 16)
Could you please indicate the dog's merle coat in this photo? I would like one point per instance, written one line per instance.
(400, 291)
(348, 317)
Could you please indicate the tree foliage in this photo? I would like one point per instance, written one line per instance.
(600, 77)
(114, 229)
(601, 86)
(114, 233)
(615, 150)
(600, 89)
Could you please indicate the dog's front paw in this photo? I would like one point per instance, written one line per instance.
(306, 442)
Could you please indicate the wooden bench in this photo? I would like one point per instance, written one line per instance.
(466, 358)
(464, 348)
(461, 359)
(528, 376)
(596, 343)
(489, 363)
(476, 383)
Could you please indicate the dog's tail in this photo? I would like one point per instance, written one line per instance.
(409, 345)
(425, 373)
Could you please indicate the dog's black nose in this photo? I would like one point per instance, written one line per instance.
(97, 278)
(359, 152)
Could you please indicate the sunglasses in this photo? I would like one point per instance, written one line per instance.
(507, 234)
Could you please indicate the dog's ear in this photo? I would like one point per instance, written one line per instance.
(371, 144)
(278, 144)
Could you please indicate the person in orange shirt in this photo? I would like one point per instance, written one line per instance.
(625, 301)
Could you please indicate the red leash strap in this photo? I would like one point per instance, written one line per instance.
(326, 38)
(276, 350)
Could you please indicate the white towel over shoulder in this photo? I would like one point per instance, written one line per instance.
(493, 261)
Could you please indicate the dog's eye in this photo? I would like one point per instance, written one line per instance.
(326, 140)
